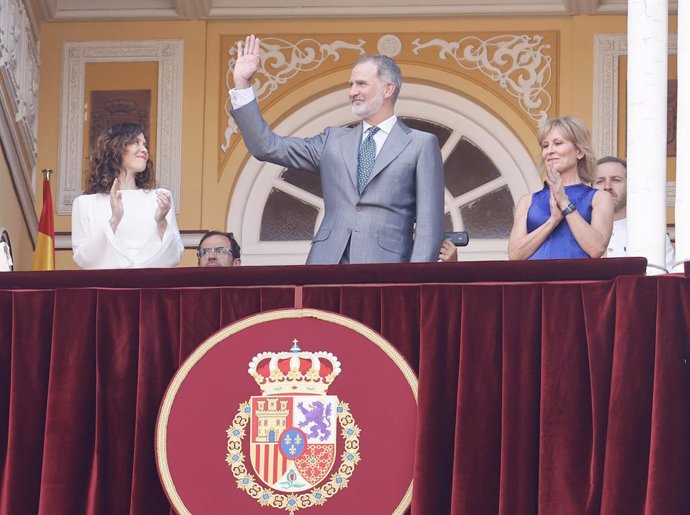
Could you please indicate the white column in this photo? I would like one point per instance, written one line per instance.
(682, 137)
(646, 143)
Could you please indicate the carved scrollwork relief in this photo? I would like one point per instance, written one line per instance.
(519, 64)
(281, 60)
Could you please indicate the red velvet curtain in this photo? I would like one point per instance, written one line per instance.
(535, 398)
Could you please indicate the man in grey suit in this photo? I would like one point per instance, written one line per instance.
(382, 188)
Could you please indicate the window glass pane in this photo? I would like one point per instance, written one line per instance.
(441, 132)
(490, 216)
(286, 218)
(307, 181)
(467, 168)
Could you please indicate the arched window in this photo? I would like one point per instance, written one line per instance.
(276, 210)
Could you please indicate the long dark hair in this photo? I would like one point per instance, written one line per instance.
(106, 159)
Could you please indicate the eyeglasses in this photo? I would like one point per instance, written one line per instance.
(221, 251)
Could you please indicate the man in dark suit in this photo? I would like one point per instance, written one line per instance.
(382, 188)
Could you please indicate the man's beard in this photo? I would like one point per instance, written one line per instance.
(367, 109)
(620, 203)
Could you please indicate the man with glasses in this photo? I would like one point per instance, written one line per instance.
(218, 249)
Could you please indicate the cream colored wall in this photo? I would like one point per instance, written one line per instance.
(205, 189)
(12, 219)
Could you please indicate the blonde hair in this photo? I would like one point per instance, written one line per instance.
(574, 130)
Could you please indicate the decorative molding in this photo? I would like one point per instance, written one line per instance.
(223, 10)
(226, 9)
(19, 64)
(607, 50)
(280, 61)
(518, 63)
(75, 55)
(19, 72)
(389, 45)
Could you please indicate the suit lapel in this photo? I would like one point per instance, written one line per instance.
(395, 143)
(350, 151)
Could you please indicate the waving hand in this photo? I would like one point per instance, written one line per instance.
(247, 62)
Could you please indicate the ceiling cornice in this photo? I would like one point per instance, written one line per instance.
(193, 9)
(127, 10)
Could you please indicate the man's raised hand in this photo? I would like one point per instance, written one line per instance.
(247, 62)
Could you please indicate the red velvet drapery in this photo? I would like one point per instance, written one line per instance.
(547, 397)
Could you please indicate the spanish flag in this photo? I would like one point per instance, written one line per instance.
(44, 255)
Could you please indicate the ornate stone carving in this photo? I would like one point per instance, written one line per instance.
(281, 60)
(19, 72)
(389, 45)
(607, 50)
(169, 55)
(518, 63)
(19, 67)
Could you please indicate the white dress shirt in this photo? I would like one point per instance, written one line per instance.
(619, 238)
(380, 137)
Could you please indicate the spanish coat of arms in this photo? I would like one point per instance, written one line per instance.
(295, 432)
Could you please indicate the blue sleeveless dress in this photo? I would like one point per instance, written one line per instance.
(561, 243)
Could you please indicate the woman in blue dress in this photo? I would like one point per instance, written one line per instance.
(567, 218)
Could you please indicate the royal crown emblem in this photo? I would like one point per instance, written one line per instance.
(309, 373)
(295, 431)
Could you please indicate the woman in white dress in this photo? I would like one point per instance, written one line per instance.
(122, 220)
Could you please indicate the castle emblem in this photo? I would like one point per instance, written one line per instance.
(297, 432)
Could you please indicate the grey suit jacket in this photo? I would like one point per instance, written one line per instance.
(405, 187)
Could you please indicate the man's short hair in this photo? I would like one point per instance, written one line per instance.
(613, 159)
(234, 246)
(387, 70)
